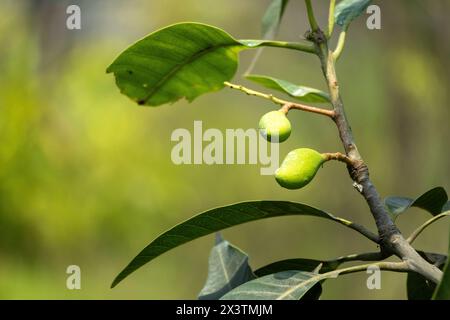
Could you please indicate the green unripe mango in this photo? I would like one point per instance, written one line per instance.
(275, 125)
(299, 168)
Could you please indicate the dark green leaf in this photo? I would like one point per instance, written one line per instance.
(215, 220)
(227, 268)
(286, 285)
(301, 93)
(314, 293)
(182, 60)
(296, 264)
(446, 207)
(443, 289)
(348, 10)
(431, 201)
(272, 18)
(418, 287)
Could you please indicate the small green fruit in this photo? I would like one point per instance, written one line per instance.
(299, 168)
(275, 126)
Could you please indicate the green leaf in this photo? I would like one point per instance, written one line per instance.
(215, 220)
(182, 60)
(348, 10)
(286, 285)
(446, 207)
(272, 18)
(443, 289)
(418, 287)
(269, 26)
(296, 264)
(309, 265)
(301, 93)
(228, 268)
(432, 201)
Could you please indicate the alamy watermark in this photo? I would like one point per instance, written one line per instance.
(374, 20)
(73, 21)
(374, 280)
(73, 281)
(215, 147)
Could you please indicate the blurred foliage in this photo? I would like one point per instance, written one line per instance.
(86, 176)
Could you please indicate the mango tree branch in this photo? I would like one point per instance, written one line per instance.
(419, 230)
(391, 240)
(286, 105)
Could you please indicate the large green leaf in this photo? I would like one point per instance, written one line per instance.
(418, 287)
(301, 93)
(443, 289)
(432, 201)
(227, 268)
(182, 60)
(215, 220)
(296, 264)
(348, 10)
(272, 18)
(286, 285)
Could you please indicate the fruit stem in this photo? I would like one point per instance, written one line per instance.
(339, 157)
(286, 105)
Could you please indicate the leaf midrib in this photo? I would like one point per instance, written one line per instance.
(179, 66)
(225, 271)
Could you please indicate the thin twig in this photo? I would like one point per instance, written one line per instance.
(419, 230)
(433, 258)
(359, 228)
(367, 256)
(331, 18)
(340, 45)
(388, 266)
(304, 46)
(311, 17)
(287, 105)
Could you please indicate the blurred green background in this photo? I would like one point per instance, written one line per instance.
(86, 176)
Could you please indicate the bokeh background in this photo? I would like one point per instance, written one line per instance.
(86, 176)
